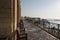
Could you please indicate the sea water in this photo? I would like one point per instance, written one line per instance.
(54, 24)
(57, 22)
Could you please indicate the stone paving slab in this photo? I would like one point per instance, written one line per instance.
(35, 33)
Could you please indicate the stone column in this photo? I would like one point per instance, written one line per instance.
(18, 11)
(16, 14)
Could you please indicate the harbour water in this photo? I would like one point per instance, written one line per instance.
(58, 22)
(54, 24)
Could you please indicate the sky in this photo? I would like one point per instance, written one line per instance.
(41, 8)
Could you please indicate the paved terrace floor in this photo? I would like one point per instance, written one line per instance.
(35, 33)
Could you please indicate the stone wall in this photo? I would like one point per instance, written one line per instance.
(5, 17)
(10, 14)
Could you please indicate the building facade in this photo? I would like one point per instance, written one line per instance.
(10, 14)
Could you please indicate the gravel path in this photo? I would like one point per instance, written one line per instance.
(35, 33)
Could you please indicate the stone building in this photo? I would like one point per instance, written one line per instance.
(10, 14)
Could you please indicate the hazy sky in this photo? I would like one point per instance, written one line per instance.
(41, 8)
